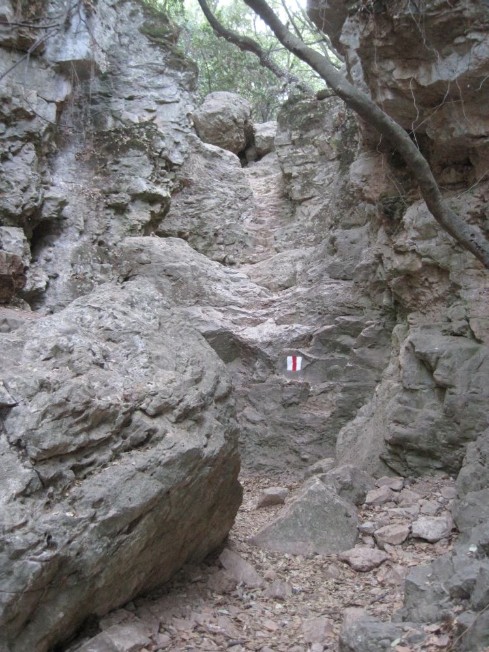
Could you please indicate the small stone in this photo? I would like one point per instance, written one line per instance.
(410, 512)
(350, 482)
(319, 467)
(270, 575)
(430, 507)
(130, 637)
(368, 527)
(380, 496)
(163, 640)
(317, 647)
(272, 496)
(222, 582)
(408, 497)
(270, 625)
(363, 559)
(394, 535)
(317, 630)
(240, 569)
(279, 590)
(432, 528)
(396, 484)
(449, 493)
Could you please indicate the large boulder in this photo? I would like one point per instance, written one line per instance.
(317, 520)
(118, 459)
(224, 119)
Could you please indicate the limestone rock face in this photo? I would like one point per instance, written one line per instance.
(118, 422)
(412, 58)
(80, 171)
(421, 417)
(211, 204)
(118, 439)
(224, 119)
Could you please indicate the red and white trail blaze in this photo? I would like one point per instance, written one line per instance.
(294, 362)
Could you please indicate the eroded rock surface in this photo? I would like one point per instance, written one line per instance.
(122, 419)
(319, 251)
(224, 119)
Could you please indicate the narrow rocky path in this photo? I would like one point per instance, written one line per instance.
(270, 602)
(268, 222)
(247, 599)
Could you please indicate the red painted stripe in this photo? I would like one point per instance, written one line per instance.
(294, 363)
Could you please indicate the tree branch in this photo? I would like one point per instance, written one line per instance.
(247, 44)
(469, 237)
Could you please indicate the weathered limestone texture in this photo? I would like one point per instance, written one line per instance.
(422, 63)
(224, 119)
(211, 204)
(94, 124)
(118, 436)
(118, 452)
(426, 64)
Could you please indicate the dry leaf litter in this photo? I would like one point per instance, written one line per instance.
(243, 598)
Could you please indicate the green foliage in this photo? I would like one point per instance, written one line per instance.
(222, 66)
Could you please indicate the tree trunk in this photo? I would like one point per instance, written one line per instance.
(247, 44)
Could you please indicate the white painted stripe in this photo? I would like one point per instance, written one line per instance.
(294, 362)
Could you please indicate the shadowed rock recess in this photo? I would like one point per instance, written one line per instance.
(165, 311)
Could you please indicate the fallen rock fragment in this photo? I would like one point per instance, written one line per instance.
(319, 467)
(380, 496)
(408, 498)
(350, 482)
(392, 534)
(449, 493)
(394, 483)
(368, 527)
(432, 528)
(317, 630)
(272, 496)
(130, 637)
(279, 590)
(315, 521)
(363, 558)
(360, 632)
(430, 507)
(222, 582)
(224, 120)
(240, 569)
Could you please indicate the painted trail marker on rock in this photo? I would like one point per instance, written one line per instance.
(294, 362)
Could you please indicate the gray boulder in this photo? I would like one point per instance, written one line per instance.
(317, 520)
(263, 140)
(117, 452)
(361, 632)
(224, 119)
(350, 482)
(474, 475)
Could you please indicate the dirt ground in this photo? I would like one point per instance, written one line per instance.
(300, 604)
